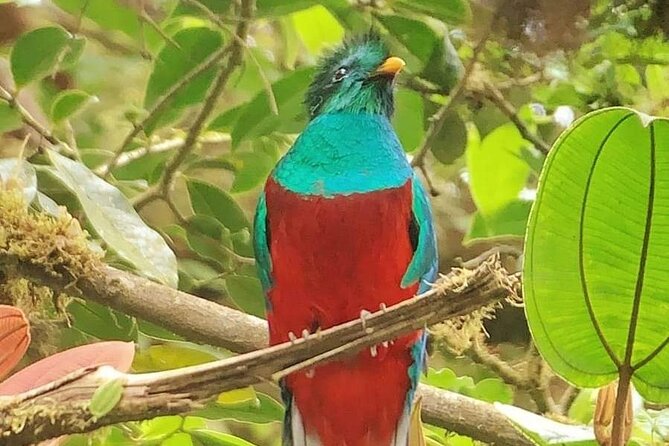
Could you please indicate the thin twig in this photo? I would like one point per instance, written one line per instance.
(162, 103)
(494, 95)
(162, 189)
(31, 122)
(267, 85)
(438, 120)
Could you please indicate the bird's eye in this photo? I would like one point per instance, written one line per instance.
(340, 74)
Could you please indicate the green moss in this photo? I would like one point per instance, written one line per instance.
(57, 244)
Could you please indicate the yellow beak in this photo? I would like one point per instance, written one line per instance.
(391, 66)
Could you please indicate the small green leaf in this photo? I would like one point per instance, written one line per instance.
(159, 428)
(101, 322)
(247, 293)
(68, 103)
(172, 64)
(106, 397)
(10, 119)
(36, 53)
(117, 222)
(208, 199)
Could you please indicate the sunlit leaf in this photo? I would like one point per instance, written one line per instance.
(237, 396)
(497, 172)
(317, 28)
(169, 356)
(117, 222)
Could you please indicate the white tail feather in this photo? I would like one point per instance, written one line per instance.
(300, 437)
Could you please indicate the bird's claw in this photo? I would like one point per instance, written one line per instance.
(292, 337)
(364, 315)
(383, 307)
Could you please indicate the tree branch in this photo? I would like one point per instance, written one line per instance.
(64, 407)
(162, 188)
(438, 120)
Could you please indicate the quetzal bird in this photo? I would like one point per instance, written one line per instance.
(342, 227)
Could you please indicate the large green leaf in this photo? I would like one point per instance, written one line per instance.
(596, 265)
(117, 222)
(36, 53)
(172, 64)
(497, 171)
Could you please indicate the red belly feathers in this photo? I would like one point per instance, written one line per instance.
(331, 259)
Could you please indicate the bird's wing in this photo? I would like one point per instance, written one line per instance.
(261, 242)
(423, 265)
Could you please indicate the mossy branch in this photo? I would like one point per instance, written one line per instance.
(64, 407)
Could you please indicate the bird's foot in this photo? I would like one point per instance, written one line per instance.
(383, 307)
(364, 315)
(292, 337)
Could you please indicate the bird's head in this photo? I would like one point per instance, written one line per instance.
(356, 77)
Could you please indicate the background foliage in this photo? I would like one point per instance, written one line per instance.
(167, 185)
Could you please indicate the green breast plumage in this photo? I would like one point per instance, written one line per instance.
(342, 154)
